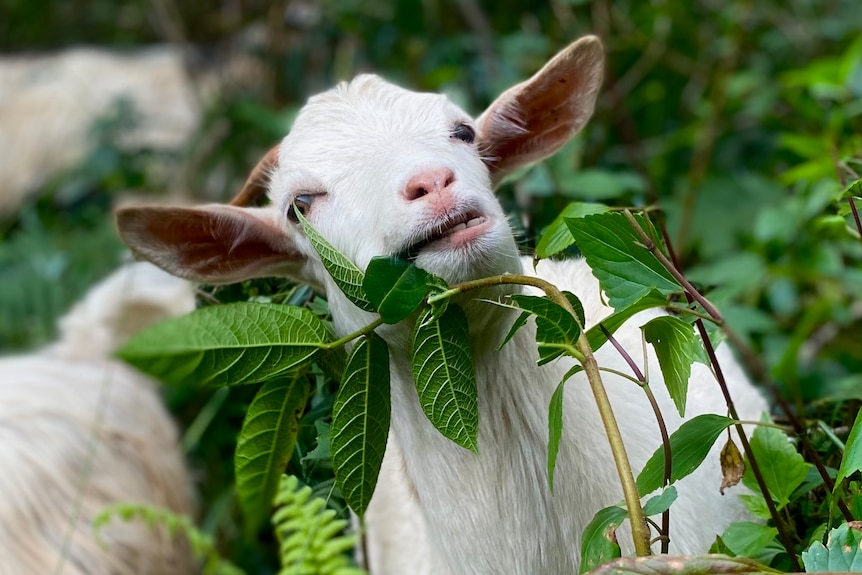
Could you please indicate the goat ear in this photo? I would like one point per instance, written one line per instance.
(212, 244)
(534, 119)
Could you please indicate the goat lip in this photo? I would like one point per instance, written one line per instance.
(455, 230)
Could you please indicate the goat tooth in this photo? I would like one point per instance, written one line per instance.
(458, 228)
(475, 222)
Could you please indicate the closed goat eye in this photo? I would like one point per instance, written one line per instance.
(302, 203)
(464, 133)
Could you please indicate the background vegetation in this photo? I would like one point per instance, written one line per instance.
(740, 119)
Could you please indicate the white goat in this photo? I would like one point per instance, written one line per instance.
(80, 431)
(377, 169)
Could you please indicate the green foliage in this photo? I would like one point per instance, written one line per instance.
(661, 502)
(688, 447)
(841, 552)
(443, 371)
(202, 545)
(783, 468)
(599, 543)
(360, 421)
(852, 460)
(677, 348)
(266, 443)
(557, 236)
(395, 288)
(557, 331)
(347, 276)
(555, 424)
(228, 344)
(626, 273)
(308, 533)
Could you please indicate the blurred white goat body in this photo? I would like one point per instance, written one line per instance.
(379, 170)
(80, 431)
(48, 104)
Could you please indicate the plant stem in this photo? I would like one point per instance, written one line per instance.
(350, 337)
(640, 529)
(855, 215)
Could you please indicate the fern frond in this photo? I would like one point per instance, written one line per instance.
(308, 533)
(202, 545)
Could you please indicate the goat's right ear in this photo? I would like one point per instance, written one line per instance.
(212, 244)
(534, 119)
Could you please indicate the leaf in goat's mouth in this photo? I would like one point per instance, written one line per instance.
(455, 225)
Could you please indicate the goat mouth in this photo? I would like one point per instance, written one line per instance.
(444, 230)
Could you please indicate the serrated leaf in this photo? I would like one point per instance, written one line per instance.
(557, 331)
(750, 539)
(599, 542)
(557, 236)
(360, 422)
(520, 322)
(396, 288)
(613, 322)
(852, 459)
(442, 365)
(661, 502)
(782, 467)
(321, 451)
(266, 443)
(683, 565)
(555, 424)
(689, 446)
(228, 344)
(854, 190)
(344, 272)
(676, 346)
(842, 552)
(756, 505)
(626, 271)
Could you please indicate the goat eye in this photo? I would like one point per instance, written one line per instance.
(302, 203)
(464, 133)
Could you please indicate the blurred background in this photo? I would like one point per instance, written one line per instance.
(742, 120)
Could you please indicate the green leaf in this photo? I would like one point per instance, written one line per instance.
(852, 459)
(520, 322)
(360, 422)
(599, 543)
(557, 331)
(677, 348)
(395, 287)
(750, 539)
(782, 467)
(614, 321)
(854, 190)
(843, 552)
(228, 344)
(347, 276)
(443, 371)
(626, 271)
(689, 446)
(266, 443)
(661, 502)
(555, 424)
(321, 451)
(557, 236)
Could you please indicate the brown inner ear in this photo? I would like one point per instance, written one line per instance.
(203, 244)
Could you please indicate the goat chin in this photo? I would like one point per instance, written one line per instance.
(499, 513)
(80, 431)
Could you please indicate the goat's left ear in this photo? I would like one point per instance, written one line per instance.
(536, 118)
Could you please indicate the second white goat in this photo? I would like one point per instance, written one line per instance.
(379, 170)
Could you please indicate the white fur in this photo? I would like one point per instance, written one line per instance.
(80, 431)
(440, 509)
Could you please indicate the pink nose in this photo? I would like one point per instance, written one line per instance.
(431, 181)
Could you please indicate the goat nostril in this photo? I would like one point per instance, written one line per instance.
(419, 192)
(450, 179)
